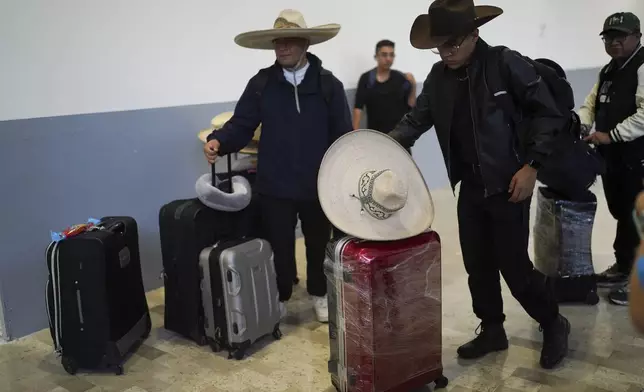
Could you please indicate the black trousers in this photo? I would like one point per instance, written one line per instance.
(621, 184)
(279, 219)
(494, 239)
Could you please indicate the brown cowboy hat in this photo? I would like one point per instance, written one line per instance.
(446, 19)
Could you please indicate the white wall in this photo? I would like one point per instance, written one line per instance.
(81, 56)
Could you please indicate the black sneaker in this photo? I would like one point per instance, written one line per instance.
(491, 338)
(611, 277)
(555, 342)
(619, 296)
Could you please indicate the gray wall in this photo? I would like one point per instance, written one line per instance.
(61, 170)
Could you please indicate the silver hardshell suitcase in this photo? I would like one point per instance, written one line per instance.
(240, 298)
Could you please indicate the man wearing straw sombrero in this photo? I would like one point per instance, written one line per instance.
(497, 175)
(302, 109)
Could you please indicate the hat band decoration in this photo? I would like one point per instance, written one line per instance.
(365, 196)
(281, 23)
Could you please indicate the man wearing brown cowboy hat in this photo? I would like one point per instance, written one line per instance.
(303, 109)
(497, 177)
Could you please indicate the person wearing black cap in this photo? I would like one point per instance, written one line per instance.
(482, 152)
(615, 106)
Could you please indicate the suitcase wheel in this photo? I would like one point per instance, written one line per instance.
(441, 382)
(239, 351)
(214, 346)
(592, 298)
(238, 354)
(69, 365)
(277, 334)
(118, 370)
(202, 341)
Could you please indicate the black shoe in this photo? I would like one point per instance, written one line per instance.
(611, 277)
(619, 296)
(555, 342)
(491, 338)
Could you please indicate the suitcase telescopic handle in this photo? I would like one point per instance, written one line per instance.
(229, 172)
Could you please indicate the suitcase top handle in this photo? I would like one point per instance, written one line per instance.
(230, 175)
(116, 227)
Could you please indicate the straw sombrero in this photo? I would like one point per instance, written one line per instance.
(370, 188)
(289, 24)
(218, 122)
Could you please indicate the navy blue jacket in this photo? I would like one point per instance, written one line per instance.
(292, 144)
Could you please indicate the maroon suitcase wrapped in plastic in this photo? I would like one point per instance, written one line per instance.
(385, 314)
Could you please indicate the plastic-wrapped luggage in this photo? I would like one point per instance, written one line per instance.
(385, 314)
(562, 246)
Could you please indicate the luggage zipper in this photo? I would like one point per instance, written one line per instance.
(55, 280)
(476, 140)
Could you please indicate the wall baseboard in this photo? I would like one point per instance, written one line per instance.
(4, 335)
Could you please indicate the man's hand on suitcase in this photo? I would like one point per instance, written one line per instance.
(210, 150)
(522, 184)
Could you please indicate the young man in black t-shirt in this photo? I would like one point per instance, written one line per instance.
(387, 94)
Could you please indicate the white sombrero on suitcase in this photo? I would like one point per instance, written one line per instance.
(370, 188)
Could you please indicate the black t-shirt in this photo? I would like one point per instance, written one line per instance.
(462, 130)
(386, 102)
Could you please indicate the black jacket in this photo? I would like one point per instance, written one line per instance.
(500, 153)
(293, 142)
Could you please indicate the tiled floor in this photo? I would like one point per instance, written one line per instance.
(607, 354)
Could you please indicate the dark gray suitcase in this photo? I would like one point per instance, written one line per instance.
(96, 305)
(239, 294)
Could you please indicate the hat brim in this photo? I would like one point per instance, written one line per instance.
(203, 135)
(421, 38)
(360, 151)
(251, 149)
(218, 122)
(263, 39)
(618, 29)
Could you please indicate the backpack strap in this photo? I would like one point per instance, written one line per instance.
(260, 80)
(371, 80)
(326, 85)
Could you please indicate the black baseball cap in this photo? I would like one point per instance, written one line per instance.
(624, 22)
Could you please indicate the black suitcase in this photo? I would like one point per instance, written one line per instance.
(186, 227)
(97, 309)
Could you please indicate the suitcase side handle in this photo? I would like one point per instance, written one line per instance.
(229, 174)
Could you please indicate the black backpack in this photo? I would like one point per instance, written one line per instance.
(574, 165)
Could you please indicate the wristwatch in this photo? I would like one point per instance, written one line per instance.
(534, 164)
